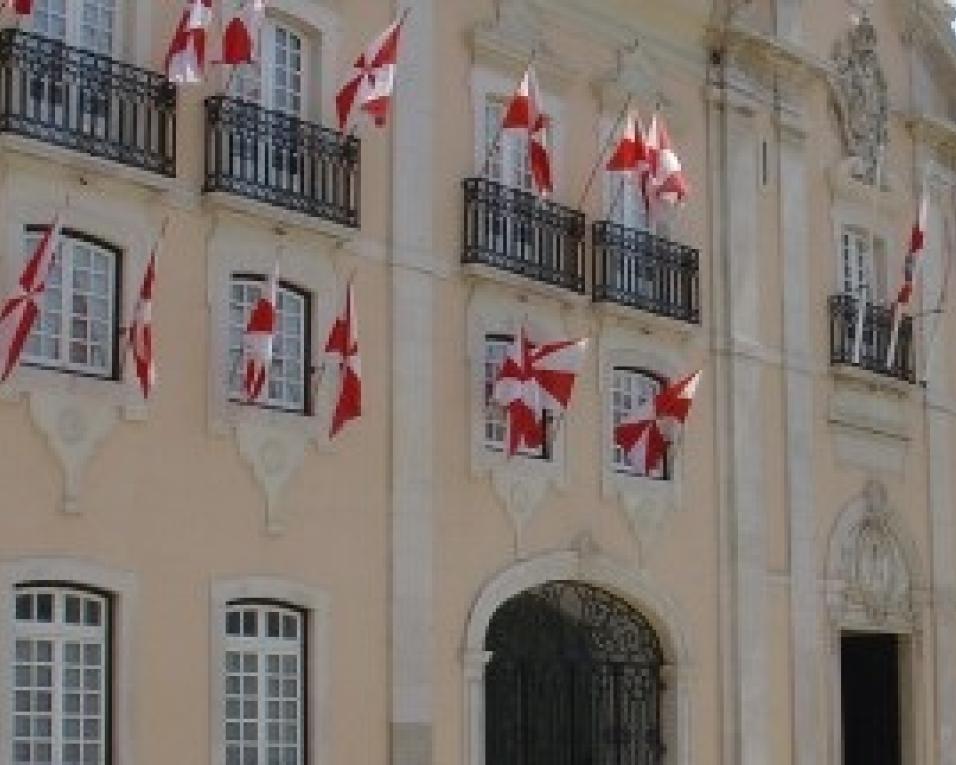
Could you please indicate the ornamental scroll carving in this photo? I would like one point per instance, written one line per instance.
(860, 94)
(869, 567)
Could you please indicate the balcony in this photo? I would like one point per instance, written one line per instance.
(639, 270)
(270, 157)
(517, 232)
(86, 102)
(877, 328)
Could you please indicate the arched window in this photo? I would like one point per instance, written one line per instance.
(574, 676)
(61, 675)
(264, 684)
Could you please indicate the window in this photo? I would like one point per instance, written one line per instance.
(495, 424)
(862, 263)
(264, 684)
(88, 24)
(289, 375)
(277, 81)
(508, 160)
(624, 201)
(77, 328)
(60, 676)
(632, 393)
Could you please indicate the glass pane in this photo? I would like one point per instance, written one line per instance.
(44, 602)
(25, 607)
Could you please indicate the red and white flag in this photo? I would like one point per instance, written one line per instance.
(631, 155)
(524, 113)
(535, 378)
(917, 245)
(240, 37)
(141, 330)
(19, 312)
(186, 58)
(343, 350)
(370, 84)
(19, 7)
(668, 184)
(645, 436)
(257, 341)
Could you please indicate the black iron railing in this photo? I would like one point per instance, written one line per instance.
(86, 102)
(516, 231)
(875, 341)
(638, 269)
(281, 160)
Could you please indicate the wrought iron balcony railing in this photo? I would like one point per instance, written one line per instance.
(638, 269)
(283, 161)
(875, 340)
(86, 102)
(517, 232)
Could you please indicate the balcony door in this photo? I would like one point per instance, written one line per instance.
(87, 24)
(267, 152)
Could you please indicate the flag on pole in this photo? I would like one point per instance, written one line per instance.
(19, 312)
(917, 246)
(645, 436)
(141, 330)
(370, 84)
(186, 58)
(343, 349)
(257, 341)
(240, 38)
(524, 113)
(535, 378)
(19, 7)
(631, 155)
(667, 181)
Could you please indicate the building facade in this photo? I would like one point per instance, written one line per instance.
(195, 580)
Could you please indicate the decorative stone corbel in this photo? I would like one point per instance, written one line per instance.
(521, 487)
(274, 454)
(74, 427)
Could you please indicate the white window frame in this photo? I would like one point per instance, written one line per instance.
(65, 267)
(74, 25)
(256, 82)
(284, 292)
(62, 635)
(495, 416)
(315, 603)
(619, 412)
(861, 262)
(508, 158)
(263, 649)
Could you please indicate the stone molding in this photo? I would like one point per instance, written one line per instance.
(317, 603)
(273, 443)
(124, 588)
(587, 565)
(520, 484)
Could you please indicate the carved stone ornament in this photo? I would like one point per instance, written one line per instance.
(274, 454)
(873, 581)
(860, 93)
(74, 426)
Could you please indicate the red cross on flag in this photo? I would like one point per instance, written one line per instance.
(535, 378)
(645, 436)
(186, 58)
(257, 341)
(19, 313)
(524, 113)
(141, 330)
(370, 84)
(240, 38)
(343, 350)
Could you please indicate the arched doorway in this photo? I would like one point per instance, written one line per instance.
(574, 678)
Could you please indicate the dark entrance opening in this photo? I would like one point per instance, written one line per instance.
(871, 699)
(574, 679)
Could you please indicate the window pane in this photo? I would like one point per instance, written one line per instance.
(632, 396)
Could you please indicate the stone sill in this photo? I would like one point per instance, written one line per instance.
(647, 322)
(280, 217)
(525, 285)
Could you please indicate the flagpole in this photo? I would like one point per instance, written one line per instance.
(862, 291)
(601, 154)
